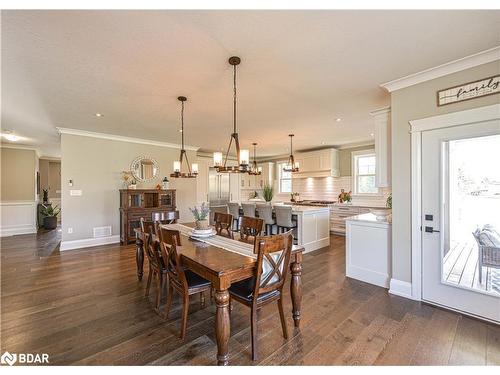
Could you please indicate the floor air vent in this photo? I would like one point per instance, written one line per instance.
(102, 232)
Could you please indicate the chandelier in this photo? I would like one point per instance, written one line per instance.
(254, 170)
(191, 173)
(242, 155)
(291, 165)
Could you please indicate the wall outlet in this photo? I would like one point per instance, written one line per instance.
(70, 230)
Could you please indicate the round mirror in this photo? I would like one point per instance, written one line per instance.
(145, 169)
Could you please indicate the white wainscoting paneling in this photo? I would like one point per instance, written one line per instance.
(17, 217)
(89, 242)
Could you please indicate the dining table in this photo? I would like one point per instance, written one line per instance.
(224, 261)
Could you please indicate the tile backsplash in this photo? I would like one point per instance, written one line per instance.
(328, 189)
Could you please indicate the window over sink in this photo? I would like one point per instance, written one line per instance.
(285, 179)
(364, 165)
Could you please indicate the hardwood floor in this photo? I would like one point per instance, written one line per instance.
(86, 307)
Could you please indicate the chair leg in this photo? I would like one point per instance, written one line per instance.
(159, 285)
(168, 304)
(282, 318)
(149, 282)
(254, 333)
(185, 310)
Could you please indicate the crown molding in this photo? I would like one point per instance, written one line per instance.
(380, 111)
(21, 147)
(467, 62)
(121, 138)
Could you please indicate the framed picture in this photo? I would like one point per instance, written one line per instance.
(470, 90)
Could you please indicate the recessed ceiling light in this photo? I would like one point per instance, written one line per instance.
(11, 137)
(99, 115)
(180, 130)
(338, 119)
(372, 134)
(323, 142)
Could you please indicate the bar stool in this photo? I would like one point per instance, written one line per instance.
(234, 209)
(284, 220)
(265, 212)
(248, 209)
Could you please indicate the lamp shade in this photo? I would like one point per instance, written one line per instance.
(194, 168)
(177, 166)
(244, 157)
(217, 159)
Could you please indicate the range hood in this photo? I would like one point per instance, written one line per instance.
(321, 163)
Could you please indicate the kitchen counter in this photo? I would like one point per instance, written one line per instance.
(371, 218)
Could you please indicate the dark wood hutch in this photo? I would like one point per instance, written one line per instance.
(151, 204)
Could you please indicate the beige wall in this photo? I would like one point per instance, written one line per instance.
(413, 103)
(95, 167)
(18, 174)
(50, 177)
(345, 159)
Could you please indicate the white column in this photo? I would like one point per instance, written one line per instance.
(382, 135)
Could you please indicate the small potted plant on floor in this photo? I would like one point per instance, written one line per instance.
(267, 193)
(201, 216)
(49, 214)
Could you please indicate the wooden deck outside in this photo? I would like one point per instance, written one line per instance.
(460, 267)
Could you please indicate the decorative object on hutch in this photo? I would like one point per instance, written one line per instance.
(243, 155)
(145, 169)
(291, 165)
(254, 170)
(150, 204)
(192, 172)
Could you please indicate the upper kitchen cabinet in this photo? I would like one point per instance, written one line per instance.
(202, 179)
(321, 163)
(382, 134)
(267, 176)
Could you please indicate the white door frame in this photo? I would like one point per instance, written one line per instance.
(470, 116)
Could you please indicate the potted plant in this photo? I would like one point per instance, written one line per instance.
(345, 197)
(201, 216)
(268, 192)
(49, 214)
(388, 202)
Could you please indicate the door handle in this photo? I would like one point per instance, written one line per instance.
(431, 230)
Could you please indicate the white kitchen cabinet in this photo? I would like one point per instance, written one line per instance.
(382, 135)
(267, 176)
(321, 163)
(235, 187)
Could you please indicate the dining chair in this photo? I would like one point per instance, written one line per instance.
(182, 281)
(284, 220)
(156, 267)
(234, 209)
(147, 226)
(223, 223)
(248, 209)
(265, 212)
(250, 228)
(273, 258)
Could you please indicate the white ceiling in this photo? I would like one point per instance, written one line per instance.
(300, 70)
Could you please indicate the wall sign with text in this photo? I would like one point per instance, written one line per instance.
(471, 90)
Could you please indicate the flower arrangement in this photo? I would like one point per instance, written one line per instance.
(201, 213)
(345, 197)
(128, 178)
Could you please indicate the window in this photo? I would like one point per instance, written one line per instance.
(363, 167)
(285, 179)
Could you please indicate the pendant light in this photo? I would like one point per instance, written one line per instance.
(192, 172)
(254, 169)
(291, 166)
(243, 155)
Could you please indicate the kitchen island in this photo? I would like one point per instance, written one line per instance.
(313, 226)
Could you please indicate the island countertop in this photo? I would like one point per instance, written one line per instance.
(370, 218)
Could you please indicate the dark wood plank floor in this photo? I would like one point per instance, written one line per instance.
(87, 307)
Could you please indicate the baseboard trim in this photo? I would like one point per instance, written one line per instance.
(88, 242)
(368, 276)
(17, 229)
(401, 288)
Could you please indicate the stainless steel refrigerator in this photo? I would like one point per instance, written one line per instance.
(218, 192)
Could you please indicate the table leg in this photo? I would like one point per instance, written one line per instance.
(139, 257)
(222, 326)
(296, 290)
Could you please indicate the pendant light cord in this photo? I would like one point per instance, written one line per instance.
(182, 124)
(234, 98)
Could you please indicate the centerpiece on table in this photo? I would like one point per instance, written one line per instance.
(202, 227)
(345, 197)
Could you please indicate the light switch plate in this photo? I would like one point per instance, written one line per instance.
(75, 193)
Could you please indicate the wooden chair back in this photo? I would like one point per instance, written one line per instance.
(250, 228)
(153, 252)
(147, 226)
(169, 236)
(273, 259)
(175, 270)
(223, 224)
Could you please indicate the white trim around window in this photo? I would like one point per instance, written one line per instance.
(354, 173)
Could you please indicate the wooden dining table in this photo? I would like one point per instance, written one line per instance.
(222, 267)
